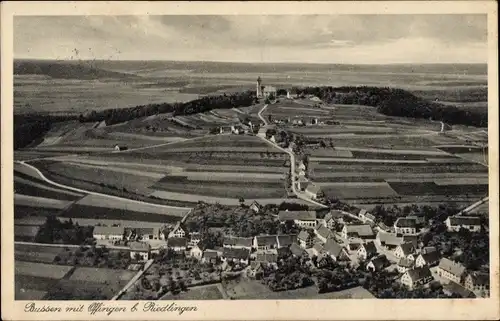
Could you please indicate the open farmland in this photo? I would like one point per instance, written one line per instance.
(35, 253)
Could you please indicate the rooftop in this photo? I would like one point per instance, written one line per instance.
(419, 273)
(109, 230)
(267, 240)
(454, 268)
(332, 247)
(139, 246)
(177, 242)
(360, 230)
(464, 220)
(238, 241)
(405, 222)
(286, 240)
(296, 215)
(235, 253)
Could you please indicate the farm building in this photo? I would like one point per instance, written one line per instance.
(210, 256)
(471, 223)
(113, 233)
(366, 251)
(306, 239)
(405, 250)
(256, 207)
(118, 148)
(457, 289)
(378, 263)
(335, 250)
(284, 241)
(405, 226)
(196, 252)
(238, 242)
(25, 233)
(388, 240)
(178, 244)
(304, 219)
(265, 242)
(139, 251)
(150, 233)
(323, 233)
(451, 270)
(235, 255)
(265, 91)
(429, 259)
(255, 270)
(477, 281)
(405, 264)
(317, 250)
(178, 231)
(417, 276)
(194, 238)
(362, 231)
(270, 259)
(333, 218)
(366, 217)
(297, 250)
(313, 191)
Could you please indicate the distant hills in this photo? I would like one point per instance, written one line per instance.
(66, 70)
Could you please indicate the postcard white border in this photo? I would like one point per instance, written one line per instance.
(478, 309)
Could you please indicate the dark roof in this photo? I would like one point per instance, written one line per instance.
(429, 249)
(267, 257)
(454, 268)
(286, 240)
(332, 248)
(431, 257)
(235, 253)
(297, 250)
(404, 262)
(108, 230)
(360, 229)
(318, 247)
(303, 235)
(389, 238)
(238, 241)
(296, 215)
(465, 220)
(177, 242)
(267, 240)
(333, 214)
(370, 248)
(211, 254)
(380, 261)
(412, 239)
(283, 251)
(407, 248)
(406, 222)
(479, 278)
(139, 246)
(456, 288)
(324, 231)
(419, 273)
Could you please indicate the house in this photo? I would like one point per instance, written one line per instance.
(210, 256)
(178, 244)
(477, 281)
(178, 231)
(405, 250)
(305, 239)
(140, 251)
(366, 251)
(302, 183)
(304, 219)
(256, 207)
(389, 241)
(301, 173)
(237, 255)
(194, 238)
(323, 233)
(238, 242)
(120, 148)
(417, 276)
(471, 223)
(333, 218)
(428, 249)
(362, 231)
(453, 288)
(297, 250)
(354, 244)
(284, 241)
(149, 233)
(378, 263)
(366, 217)
(404, 225)
(112, 233)
(451, 270)
(405, 264)
(196, 252)
(269, 259)
(313, 191)
(265, 242)
(429, 259)
(335, 250)
(255, 270)
(302, 166)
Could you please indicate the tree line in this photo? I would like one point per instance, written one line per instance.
(397, 102)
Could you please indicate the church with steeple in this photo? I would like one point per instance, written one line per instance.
(265, 91)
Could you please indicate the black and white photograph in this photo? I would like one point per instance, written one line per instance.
(164, 157)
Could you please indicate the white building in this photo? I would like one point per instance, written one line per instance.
(451, 270)
(471, 223)
(112, 233)
(177, 231)
(304, 219)
(404, 225)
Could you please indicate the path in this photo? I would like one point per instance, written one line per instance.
(96, 193)
(136, 277)
(474, 206)
(292, 162)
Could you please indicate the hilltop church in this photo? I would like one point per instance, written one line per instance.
(265, 91)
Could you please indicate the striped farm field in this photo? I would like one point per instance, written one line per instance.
(360, 191)
(32, 253)
(33, 187)
(330, 160)
(234, 176)
(319, 168)
(41, 269)
(22, 213)
(102, 275)
(33, 201)
(328, 152)
(134, 172)
(431, 188)
(390, 141)
(235, 168)
(328, 130)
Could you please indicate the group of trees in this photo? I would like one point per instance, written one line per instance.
(93, 256)
(292, 273)
(389, 214)
(398, 102)
(55, 231)
(207, 103)
(30, 128)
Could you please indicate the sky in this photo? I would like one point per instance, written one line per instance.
(341, 39)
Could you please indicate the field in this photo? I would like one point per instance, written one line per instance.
(204, 292)
(35, 253)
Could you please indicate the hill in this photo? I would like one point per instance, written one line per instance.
(66, 70)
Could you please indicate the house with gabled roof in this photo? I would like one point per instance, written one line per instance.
(196, 252)
(304, 219)
(405, 264)
(453, 288)
(265, 242)
(285, 240)
(405, 225)
(471, 223)
(305, 239)
(389, 241)
(139, 251)
(210, 256)
(302, 183)
(417, 276)
(178, 244)
(323, 233)
(256, 207)
(178, 231)
(451, 270)
(194, 238)
(317, 249)
(362, 231)
(255, 270)
(366, 217)
(238, 242)
(237, 255)
(366, 251)
(313, 191)
(297, 250)
(478, 281)
(335, 250)
(378, 263)
(405, 250)
(333, 218)
(428, 258)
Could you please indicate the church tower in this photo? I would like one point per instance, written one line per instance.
(259, 87)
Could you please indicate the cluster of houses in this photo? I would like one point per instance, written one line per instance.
(303, 184)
